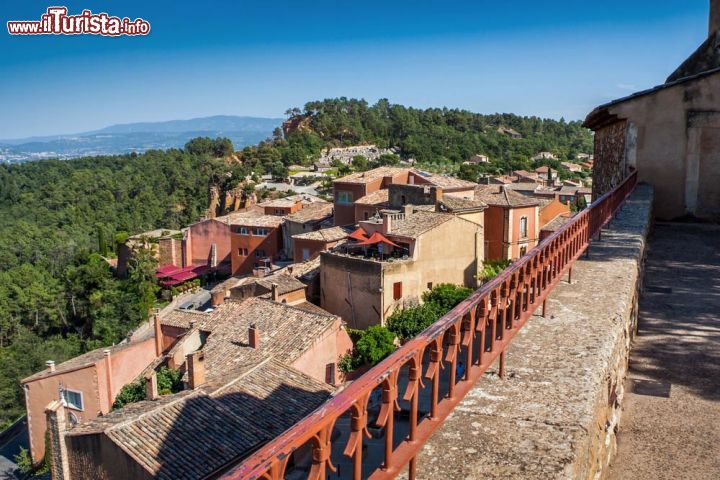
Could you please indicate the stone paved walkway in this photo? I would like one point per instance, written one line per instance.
(678, 347)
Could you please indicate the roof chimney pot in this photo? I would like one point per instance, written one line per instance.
(196, 369)
(50, 365)
(254, 336)
(274, 293)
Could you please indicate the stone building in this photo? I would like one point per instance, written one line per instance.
(669, 133)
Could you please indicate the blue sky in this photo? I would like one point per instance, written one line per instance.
(548, 58)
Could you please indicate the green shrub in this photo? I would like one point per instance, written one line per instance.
(493, 268)
(375, 344)
(406, 323)
(130, 393)
(446, 296)
(169, 381)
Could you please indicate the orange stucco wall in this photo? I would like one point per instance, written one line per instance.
(270, 244)
(516, 242)
(494, 233)
(328, 349)
(314, 247)
(92, 381)
(551, 211)
(345, 213)
(283, 210)
(201, 238)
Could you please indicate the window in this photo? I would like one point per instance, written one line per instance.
(344, 198)
(243, 252)
(261, 232)
(403, 200)
(397, 290)
(366, 215)
(243, 231)
(523, 227)
(523, 251)
(73, 399)
(305, 253)
(259, 253)
(429, 285)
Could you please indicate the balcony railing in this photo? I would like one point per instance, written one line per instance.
(476, 333)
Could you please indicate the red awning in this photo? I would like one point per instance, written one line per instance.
(378, 237)
(167, 271)
(358, 235)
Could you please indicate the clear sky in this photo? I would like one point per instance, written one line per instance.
(550, 58)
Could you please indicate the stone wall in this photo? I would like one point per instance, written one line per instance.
(609, 166)
(556, 414)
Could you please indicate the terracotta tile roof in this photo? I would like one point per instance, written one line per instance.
(253, 219)
(504, 179)
(415, 224)
(81, 361)
(182, 318)
(194, 433)
(286, 332)
(523, 186)
(445, 182)
(457, 203)
(378, 198)
(498, 195)
(325, 235)
(557, 222)
(291, 200)
(313, 212)
(371, 175)
(286, 283)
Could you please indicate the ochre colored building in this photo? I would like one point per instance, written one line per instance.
(512, 222)
(309, 245)
(365, 284)
(256, 240)
(86, 385)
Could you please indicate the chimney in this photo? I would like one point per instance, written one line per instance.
(57, 450)
(109, 375)
(274, 292)
(387, 224)
(436, 194)
(196, 369)
(254, 336)
(158, 337)
(714, 24)
(50, 365)
(151, 389)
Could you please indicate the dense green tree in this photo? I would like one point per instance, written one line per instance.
(375, 344)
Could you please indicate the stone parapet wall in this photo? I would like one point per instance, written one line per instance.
(556, 414)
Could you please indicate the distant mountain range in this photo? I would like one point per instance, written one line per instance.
(138, 137)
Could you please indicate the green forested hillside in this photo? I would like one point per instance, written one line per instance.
(57, 294)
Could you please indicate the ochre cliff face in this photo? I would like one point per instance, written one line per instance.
(231, 201)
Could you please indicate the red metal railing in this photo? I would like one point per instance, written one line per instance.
(476, 333)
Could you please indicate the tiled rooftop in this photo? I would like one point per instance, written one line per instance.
(291, 200)
(371, 175)
(333, 234)
(286, 332)
(286, 283)
(498, 195)
(415, 224)
(458, 203)
(86, 359)
(194, 433)
(252, 219)
(378, 198)
(313, 212)
(444, 181)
